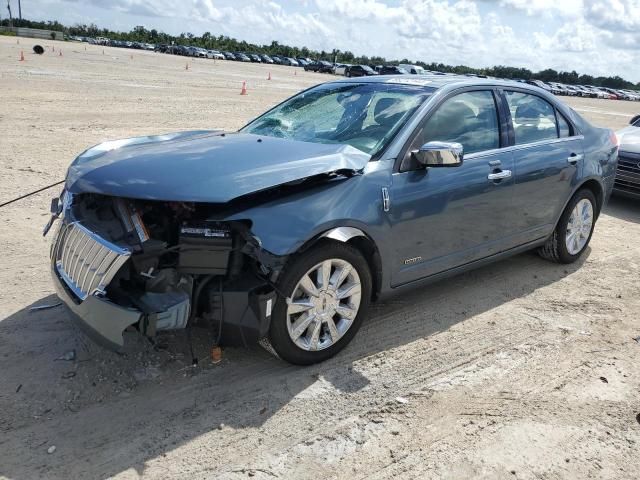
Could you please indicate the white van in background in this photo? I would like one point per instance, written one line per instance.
(413, 69)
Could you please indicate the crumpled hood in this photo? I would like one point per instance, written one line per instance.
(204, 166)
(629, 139)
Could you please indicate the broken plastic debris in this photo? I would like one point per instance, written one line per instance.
(401, 400)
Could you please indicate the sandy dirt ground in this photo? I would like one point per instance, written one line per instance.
(523, 369)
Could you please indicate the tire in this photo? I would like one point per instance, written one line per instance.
(558, 247)
(318, 347)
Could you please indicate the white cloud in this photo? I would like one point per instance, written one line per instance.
(567, 8)
(614, 15)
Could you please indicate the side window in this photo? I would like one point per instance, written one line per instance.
(469, 118)
(533, 118)
(563, 126)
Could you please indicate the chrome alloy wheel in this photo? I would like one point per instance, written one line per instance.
(324, 304)
(579, 227)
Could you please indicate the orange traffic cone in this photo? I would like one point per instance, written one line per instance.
(186, 66)
(269, 77)
(53, 48)
(103, 51)
(131, 57)
(244, 88)
(21, 56)
(17, 41)
(60, 53)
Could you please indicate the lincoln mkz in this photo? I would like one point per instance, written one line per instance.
(284, 231)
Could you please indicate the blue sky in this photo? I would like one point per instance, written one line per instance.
(599, 37)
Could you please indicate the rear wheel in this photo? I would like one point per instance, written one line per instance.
(574, 230)
(327, 294)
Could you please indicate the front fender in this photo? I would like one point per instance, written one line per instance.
(285, 225)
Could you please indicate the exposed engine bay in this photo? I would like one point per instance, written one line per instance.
(183, 268)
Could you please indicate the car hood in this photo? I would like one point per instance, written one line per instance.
(629, 139)
(204, 166)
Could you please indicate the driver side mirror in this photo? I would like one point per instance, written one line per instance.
(439, 154)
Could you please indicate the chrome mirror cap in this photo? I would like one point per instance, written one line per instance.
(439, 154)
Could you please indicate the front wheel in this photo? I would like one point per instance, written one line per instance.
(574, 230)
(327, 292)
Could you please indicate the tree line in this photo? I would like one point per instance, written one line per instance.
(221, 42)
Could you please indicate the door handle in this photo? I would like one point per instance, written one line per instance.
(574, 158)
(499, 175)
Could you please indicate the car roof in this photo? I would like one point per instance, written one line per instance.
(439, 81)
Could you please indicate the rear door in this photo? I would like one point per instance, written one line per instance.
(547, 154)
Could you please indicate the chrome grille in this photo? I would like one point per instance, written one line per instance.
(628, 172)
(84, 260)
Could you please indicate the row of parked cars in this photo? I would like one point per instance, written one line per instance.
(348, 70)
(587, 91)
(235, 56)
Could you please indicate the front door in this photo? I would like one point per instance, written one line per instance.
(446, 217)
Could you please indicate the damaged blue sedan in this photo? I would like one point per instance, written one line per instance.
(283, 232)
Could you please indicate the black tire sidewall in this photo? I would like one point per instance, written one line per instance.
(295, 269)
(561, 229)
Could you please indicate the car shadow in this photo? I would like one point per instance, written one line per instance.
(118, 412)
(623, 208)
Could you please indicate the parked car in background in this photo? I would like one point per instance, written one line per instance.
(619, 95)
(561, 89)
(179, 50)
(413, 69)
(312, 66)
(587, 92)
(291, 62)
(573, 91)
(255, 57)
(277, 59)
(600, 93)
(197, 52)
(340, 68)
(540, 84)
(250, 235)
(302, 62)
(325, 67)
(241, 57)
(266, 58)
(215, 54)
(392, 70)
(228, 55)
(359, 71)
(320, 66)
(628, 172)
(632, 95)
